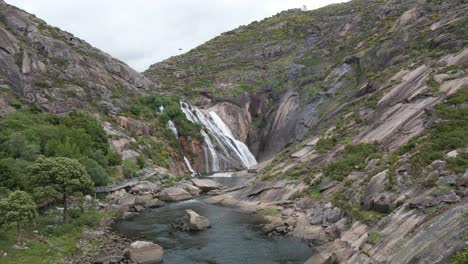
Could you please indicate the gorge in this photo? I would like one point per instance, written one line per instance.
(338, 135)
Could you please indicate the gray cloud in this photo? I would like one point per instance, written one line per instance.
(142, 32)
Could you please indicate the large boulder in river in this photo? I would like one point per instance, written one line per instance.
(144, 252)
(174, 194)
(191, 221)
(193, 190)
(206, 185)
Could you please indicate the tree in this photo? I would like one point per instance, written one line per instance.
(19, 208)
(59, 177)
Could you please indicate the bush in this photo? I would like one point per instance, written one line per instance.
(354, 157)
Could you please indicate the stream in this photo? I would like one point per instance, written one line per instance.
(234, 238)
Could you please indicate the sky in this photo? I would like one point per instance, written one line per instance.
(143, 32)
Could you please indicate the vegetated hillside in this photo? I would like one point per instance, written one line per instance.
(58, 71)
(277, 79)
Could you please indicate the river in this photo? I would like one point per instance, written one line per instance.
(234, 238)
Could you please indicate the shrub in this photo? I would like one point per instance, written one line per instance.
(354, 157)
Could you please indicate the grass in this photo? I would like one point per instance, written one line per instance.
(269, 212)
(53, 240)
(374, 237)
(460, 257)
(314, 193)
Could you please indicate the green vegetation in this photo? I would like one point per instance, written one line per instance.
(17, 210)
(447, 135)
(269, 212)
(326, 144)
(147, 107)
(58, 177)
(353, 158)
(374, 237)
(169, 181)
(27, 135)
(314, 193)
(48, 239)
(460, 257)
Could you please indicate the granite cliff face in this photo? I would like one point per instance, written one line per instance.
(280, 78)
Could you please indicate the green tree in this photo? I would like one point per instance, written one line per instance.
(59, 177)
(19, 209)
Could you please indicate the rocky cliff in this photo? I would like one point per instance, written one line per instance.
(277, 80)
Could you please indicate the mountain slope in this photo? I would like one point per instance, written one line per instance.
(58, 71)
(280, 77)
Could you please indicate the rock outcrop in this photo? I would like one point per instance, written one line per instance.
(144, 252)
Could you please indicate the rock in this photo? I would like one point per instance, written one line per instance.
(431, 178)
(252, 170)
(333, 215)
(382, 203)
(206, 184)
(322, 258)
(155, 203)
(452, 154)
(438, 164)
(174, 194)
(326, 184)
(193, 190)
(143, 187)
(446, 181)
(144, 252)
(463, 181)
(128, 215)
(92, 234)
(143, 199)
(139, 208)
(191, 221)
(109, 259)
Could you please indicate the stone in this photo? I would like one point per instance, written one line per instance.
(193, 190)
(322, 258)
(206, 184)
(463, 181)
(438, 164)
(191, 221)
(155, 203)
(446, 181)
(109, 259)
(143, 187)
(143, 199)
(333, 215)
(382, 203)
(174, 194)
(326, 184)
(144, 252)
(92, 234)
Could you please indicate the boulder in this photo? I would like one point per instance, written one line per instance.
(206, 185)
(144, 252)
(143, 187)
(382, 203)
(463, 181)
(326, 184)
(155, 203)
(447, 180)
(174, 194)
(322, 258)
(191, 221)
(143, 199)
(333, 215)
(193, 190)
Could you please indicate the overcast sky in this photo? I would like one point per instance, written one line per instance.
(142, 32)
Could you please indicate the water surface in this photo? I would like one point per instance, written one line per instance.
(234, 238)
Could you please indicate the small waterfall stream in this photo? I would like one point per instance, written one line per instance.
(225, 151)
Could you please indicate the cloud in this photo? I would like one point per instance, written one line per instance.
(143, 32)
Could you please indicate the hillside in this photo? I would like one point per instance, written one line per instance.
(281, 77)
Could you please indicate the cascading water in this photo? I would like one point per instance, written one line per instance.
(228, 152)
(170, 125)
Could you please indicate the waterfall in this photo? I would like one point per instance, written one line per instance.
(227, 148)
(189, 166)
(214, 156)
(172, 127)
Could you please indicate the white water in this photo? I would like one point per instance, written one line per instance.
(173, 128)
(189, 167)
(232, 148)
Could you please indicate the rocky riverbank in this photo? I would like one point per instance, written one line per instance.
(103, 245)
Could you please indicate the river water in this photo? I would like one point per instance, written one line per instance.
(234, 238)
